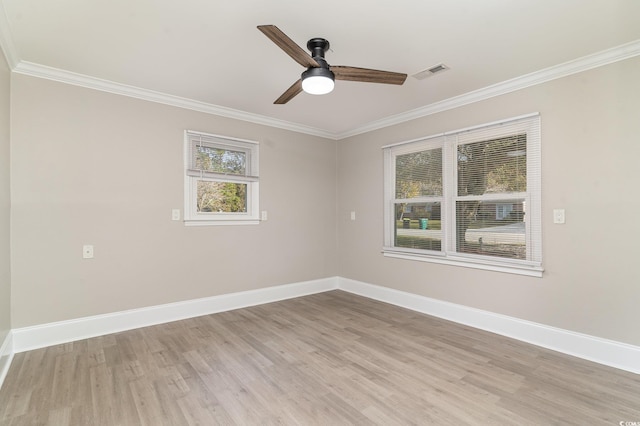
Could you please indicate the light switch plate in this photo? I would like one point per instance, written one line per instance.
(353, 215)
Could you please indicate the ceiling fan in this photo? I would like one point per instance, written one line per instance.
(319, 77)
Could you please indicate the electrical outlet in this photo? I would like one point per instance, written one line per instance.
(558, 216)
(175, 214)
(263, 215)
(353, 215)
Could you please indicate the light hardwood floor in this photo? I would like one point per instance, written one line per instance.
(327, 359)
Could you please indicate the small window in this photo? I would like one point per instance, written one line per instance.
(221, 180)
(469, 197)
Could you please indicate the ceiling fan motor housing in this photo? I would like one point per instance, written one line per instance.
(318, 46)
(318, 80)
(318, 72)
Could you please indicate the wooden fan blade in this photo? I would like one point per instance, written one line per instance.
(290, 93)
(289, 46)
(367, 75)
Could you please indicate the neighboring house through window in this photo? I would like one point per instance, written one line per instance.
(469, 197)
(221, 180)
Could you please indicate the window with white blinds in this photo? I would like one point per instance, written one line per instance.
(469, 197)
(221, 180)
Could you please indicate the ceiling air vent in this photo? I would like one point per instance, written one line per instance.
(430, 71)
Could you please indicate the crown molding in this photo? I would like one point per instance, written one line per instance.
(68, 77)
(6, 41)
(584, 63)
(575, 66)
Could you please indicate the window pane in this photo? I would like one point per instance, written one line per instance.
(419, 174)
(491, 228)
(494, 166)
(220, 160)
(418, 225)
(221, 197)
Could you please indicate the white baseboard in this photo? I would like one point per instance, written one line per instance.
(39, 336)
(603, 351)
(608, 352)
(6, 356)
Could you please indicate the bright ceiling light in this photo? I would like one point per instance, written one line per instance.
(318, 81)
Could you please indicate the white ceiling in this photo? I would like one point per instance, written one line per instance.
(210, 53)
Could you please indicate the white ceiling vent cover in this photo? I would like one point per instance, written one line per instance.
(430, 71)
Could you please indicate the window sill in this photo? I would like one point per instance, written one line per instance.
(527, 269)
(220, 222)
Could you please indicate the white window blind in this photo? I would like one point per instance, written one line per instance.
(496, 177)
(418, 196)
(221, 179)
(469, 197)
(214, 157)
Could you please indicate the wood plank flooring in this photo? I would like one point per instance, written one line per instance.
(326, 359)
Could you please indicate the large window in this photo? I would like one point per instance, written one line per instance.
(469, 197)
(221, 180)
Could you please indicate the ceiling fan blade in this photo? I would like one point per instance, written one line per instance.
(290, 93)
(289, 46)
(368, 76)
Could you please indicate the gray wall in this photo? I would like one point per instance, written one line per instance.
(5, 196)
(590, 167)
(95, 168)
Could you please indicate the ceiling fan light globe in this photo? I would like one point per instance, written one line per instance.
(318, 81)
(317, 85)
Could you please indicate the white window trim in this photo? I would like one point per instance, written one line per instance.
(191, 216)
(449, 142)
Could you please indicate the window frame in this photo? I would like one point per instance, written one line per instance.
(192, 175)
(449, 142)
